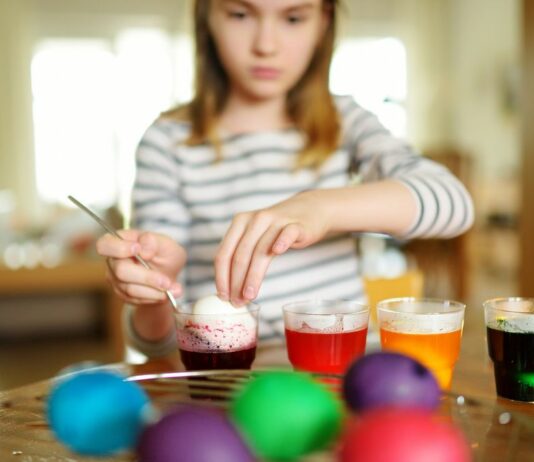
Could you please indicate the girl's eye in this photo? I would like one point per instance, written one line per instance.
(239, 15)
(295, 19)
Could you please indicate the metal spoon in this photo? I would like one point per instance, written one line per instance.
(110, 230)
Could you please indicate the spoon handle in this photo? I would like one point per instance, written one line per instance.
(110, 230)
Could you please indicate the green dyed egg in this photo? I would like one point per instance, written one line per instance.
(284, 415)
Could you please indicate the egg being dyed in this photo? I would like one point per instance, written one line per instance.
(284, 415)
(402, 435)
(213, 305)
(213, 324)
(386, 379)
(97, 413)
(193, 434)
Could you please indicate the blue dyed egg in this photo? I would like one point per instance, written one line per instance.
(193, 434)
(97, 413)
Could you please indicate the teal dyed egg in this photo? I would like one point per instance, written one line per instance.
(97, 413)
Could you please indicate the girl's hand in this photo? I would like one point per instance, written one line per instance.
(130, 280)
(255, 238)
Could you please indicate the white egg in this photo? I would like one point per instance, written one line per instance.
(214, 305)
(222, 314)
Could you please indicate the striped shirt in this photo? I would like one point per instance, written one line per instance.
(183, 192)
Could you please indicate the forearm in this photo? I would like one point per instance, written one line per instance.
(151, 349)
(153, 322)
(443, 206)
(386, 206)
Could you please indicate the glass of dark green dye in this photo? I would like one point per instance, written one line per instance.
(510, 335)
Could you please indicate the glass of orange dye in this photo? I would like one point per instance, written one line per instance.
(428, 330)
(325, 336)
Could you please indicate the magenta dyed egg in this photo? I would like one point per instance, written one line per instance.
(402, 435)
(389, 379)
(193, 434)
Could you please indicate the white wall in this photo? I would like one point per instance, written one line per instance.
(422, 26)
(485, 44)
(457, 53)
(16, 142)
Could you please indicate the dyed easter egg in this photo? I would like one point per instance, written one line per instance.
(385, 379)
(193, 434)
(402, 435)
(284, 415)
(96, 413)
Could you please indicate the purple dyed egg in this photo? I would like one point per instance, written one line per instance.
(390, 379)
(193, 434)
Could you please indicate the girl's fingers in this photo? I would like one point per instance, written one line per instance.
(143, 294)
(137, 293)
(129, 234)
(223, 258)
(129, 271)
(291, 236)
(149, 246)
(242, 258)
(111, 246)
(128, 276)
(133, 242)
(131, 281)
(134, 301)
(261, 259)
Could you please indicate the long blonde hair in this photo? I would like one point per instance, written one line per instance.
(310, 105)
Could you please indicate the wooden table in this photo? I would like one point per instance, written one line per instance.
(498, 430)
(74, 275)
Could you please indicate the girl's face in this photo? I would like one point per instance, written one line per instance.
(265, 46)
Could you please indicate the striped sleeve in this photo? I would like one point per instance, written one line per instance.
(158, 204)
(157, 349)
(445, 208)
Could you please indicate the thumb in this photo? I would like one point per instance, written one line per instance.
(129, 234)
(291, 237)
(303, 238)
(149, 245)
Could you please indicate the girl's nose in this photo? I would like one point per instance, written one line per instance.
(266, 42)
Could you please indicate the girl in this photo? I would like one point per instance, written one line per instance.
(245, 191)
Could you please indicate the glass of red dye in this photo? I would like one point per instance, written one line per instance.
(217, 341)
(325, 336)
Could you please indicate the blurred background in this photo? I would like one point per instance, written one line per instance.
(80, 81)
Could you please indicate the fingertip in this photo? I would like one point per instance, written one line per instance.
(221, 285)
(147, 238)
(279, 247)
(100, 246)
(135, 248)
(147, 248)
(249, 293)
(286, 239)
(163, 283)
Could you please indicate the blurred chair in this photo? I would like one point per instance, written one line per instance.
(409, 284)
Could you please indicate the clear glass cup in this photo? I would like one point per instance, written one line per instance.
(217, 341)
(428, 330)
(325, 336)
(510, 336)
